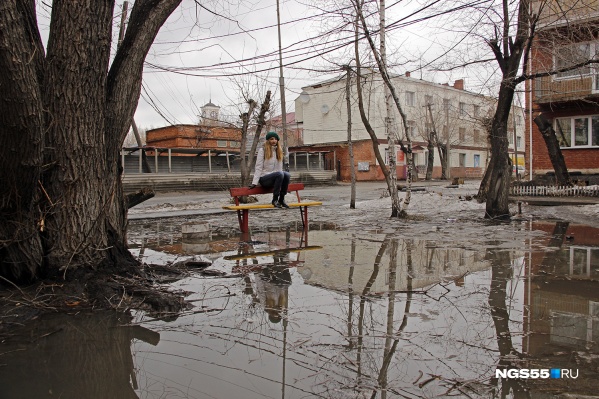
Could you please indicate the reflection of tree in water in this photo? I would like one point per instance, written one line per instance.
(83, 356)
(366, 381)
(509, 357)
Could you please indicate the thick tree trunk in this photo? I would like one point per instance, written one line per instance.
(21, 143)
(74, 94)
(508, 52)
(483, 189)
(500, 170)
(69, 107)
(562, 176)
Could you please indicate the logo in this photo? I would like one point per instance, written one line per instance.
(536, 373)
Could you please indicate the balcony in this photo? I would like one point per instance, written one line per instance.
(551, 90)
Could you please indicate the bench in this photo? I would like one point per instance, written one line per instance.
(243, 209)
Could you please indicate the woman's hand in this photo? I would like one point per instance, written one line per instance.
(252, 186)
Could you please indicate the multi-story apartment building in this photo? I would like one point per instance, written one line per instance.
(458, 117)
(566, 37)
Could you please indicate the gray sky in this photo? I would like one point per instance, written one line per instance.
(205, 52)
(214, 51)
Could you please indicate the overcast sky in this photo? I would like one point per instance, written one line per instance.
(205, 52)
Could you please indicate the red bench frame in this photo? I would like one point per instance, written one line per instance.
(243, 214)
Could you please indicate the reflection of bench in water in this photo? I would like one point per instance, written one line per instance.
(244, 265)
(276, 252)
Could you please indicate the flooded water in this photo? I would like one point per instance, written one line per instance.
(328, 313)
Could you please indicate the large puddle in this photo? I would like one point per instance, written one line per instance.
(335, 314)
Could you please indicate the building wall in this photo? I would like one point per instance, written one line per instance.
(421, 264)
(563, 23)
(324, 118)
(195, 136)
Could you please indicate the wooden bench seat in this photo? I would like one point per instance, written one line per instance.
(243, 209)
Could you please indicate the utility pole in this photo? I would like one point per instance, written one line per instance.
(282, 89)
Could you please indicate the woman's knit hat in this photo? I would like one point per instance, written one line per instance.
(272, 134)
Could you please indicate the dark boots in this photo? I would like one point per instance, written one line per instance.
(275, 201)
(278, 201)
(282, 201)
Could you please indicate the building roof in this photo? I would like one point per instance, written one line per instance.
(278, 119)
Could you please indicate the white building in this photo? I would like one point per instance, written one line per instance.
(457, 116)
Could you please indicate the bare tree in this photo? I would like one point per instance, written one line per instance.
(248, 157)
(397, 210)
(555, 154)
(64, 114)
(509, 49)
(352, 201)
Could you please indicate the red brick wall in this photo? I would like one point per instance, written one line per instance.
(557, 98)
(193, 136)
(585, 160)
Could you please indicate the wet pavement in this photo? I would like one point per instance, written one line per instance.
(442, 304)
(446, 308)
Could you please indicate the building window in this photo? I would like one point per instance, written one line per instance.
(572, 54)
(518, 142)
(221, 143)
(476, 136)
(411, 126)
(510, 138)
(462, 134)
(462, 159)
(410, 98)
(462, 109)
(476, 111)
(581, 131)
(235, 144)
(446, 106)
(477, 160)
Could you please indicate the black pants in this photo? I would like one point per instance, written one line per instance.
(279, 181)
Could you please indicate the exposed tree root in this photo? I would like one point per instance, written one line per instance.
(135, 288)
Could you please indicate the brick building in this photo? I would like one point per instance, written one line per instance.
(294, 129)
(566, 36)
(214, 138)
(455, 114)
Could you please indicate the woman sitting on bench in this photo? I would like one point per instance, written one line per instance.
(269, 170)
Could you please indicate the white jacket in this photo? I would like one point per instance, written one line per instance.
(266, 166)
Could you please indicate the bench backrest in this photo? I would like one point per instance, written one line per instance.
(237, 192)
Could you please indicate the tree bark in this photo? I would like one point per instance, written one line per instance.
(497, 206)
(21, 139)
(562, 176)
(248, 158)
(71, 108)
(508, 52)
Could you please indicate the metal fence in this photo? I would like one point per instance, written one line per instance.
(555, 191)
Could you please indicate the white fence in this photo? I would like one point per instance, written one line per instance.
(555, 191)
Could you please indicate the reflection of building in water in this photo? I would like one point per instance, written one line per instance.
(167, 236)
(330, 267)
(561, 329)
(564, 290)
